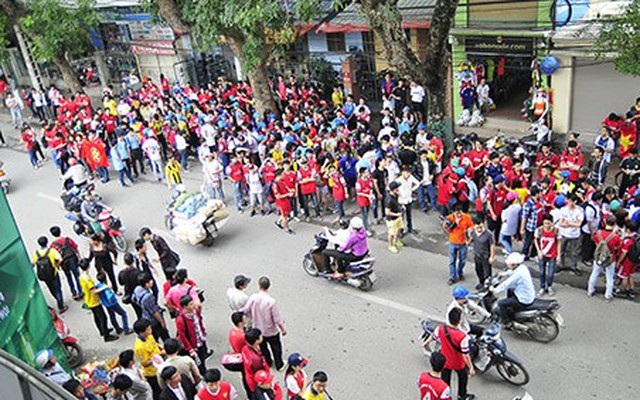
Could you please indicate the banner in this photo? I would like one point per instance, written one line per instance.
(25, 322)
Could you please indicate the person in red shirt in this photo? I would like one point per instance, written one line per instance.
(431, 385)
(514, 173)
(364, 194)
(215, 388)
(338, 189)
(546, 157)
(192, 333)
(29, 139)
(290, 179)
(308, 188)
(627, 267)
(479, 157)
(611, 238)
(455, 348)
(494, 205)
(282, 196)
(236, 173)
(571, 160)
(236, 334)
(547, 242)
(252, 359)
(446, 189)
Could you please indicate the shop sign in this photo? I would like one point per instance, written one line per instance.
(498, 45)
(147, 30)
(161, 47)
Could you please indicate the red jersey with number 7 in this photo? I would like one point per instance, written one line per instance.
(433, 388)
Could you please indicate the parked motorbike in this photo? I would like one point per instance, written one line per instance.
(541, 320)
(5, 182)
(359, 274)
(489, 350)
(71, 346)
(110, 225)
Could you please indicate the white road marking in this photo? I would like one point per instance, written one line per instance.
(48, 197)
(385, 302)
(432, 240)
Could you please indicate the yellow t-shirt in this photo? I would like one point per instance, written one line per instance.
(310, 395)
(144, 351)
(91, 299)
(54, 257)
(172, 170)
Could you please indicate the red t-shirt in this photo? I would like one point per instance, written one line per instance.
(497, 198)
(363, 191)
(237, 340)
(626, 246)
(338, 185)
(575, 159)
(548, 242)
(223, 393)
(478, 157)
(290, 179)
(449, 348)
(236, 172)
(279, 189)
(433, 388)
(307, 187)
(614, 244)
(268, 173)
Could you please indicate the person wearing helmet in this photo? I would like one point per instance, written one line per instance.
(265, 388)
(355, 249)
(519, 287)
(461, 300)
(48, 364)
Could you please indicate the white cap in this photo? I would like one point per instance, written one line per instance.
(514, 258)
(43, 357)
(356, 223)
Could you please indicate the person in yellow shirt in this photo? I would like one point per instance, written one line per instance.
(146, 350)
(173, 172)
(317, 388)
(47, 262)
(337, 98)
(92, 301)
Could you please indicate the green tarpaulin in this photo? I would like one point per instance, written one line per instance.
(25, 322)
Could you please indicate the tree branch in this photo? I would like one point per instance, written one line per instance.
(171, 12)
(436, 52)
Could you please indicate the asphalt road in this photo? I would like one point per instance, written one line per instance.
(366, 342)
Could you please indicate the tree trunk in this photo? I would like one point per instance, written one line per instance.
(258, 77)
(170, 11)
(386, 21)
(69, 75)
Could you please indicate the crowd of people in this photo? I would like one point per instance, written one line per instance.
(309, 158)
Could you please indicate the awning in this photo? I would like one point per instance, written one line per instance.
(358, 28)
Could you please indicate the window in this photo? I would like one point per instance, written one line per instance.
(336, 42)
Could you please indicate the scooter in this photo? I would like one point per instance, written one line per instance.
(359, 274)
(487, 351)
(71, 347)
(540, 321)
(110, 225)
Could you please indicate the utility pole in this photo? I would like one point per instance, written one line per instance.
(32, 66)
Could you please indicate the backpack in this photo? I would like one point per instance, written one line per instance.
(44, 268)
(634, 252)
(473, 189)
(602, 254)
(67, 252)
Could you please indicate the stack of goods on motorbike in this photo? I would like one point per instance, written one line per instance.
(189, 216)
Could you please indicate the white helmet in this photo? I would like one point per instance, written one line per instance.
(356, 223)
(514, 258)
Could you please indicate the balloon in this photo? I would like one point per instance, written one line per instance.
(549, 65)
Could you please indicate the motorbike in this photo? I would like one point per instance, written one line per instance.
(70, 343)
(488, 350)
(194, 219)
(110, 225)
(541, 320)
(5, 182)
(359, 274)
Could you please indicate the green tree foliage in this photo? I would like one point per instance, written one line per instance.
(55, 29)
(620, 36)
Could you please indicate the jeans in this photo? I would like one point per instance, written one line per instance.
(509, 307)
(569, 250)
(408, 216)
(457, 259)
(463, 379)
(342, 259)
(104, 173)
(528, 249)
(237, 195)
(182, 156)
(378, 204)
(494, 227)
(33, 159)
(422, 199)
(547, 268)
(16, 117)
(55, 288)
(157, 169)
(505, 240)
(117, 309)
(73, 276)
(256, 199)
(275, 355)
(121, 175)
(340, 207)
(137, 160)
(100, 319)
(609, 272)
(310, 198)
(364, 211)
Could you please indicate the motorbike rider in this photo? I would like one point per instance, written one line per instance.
(355, 249)
(521, 292)
(461, 300)
(76, 174)
(339, 237)
(90, 209)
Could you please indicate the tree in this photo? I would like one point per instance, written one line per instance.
(386, 22)
(54, 30)
(620, 37)
(255, 30)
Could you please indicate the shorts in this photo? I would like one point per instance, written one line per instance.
(394, 226)
(627, 269)
(285, 208)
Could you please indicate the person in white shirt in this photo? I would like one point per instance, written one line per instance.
(208, 132)
(76, 172)
(519, 283)
(483, 89)
(212, 170)
(408, 185)
(461, 300)
(13, 105)
(256, 199)
(417, 95)
(607, 143)
(236, 295)
(181, 147)
(569, 222)
(151, 148)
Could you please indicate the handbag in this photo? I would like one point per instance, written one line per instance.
(232, 362)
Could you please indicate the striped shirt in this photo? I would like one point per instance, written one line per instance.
(530, 211)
